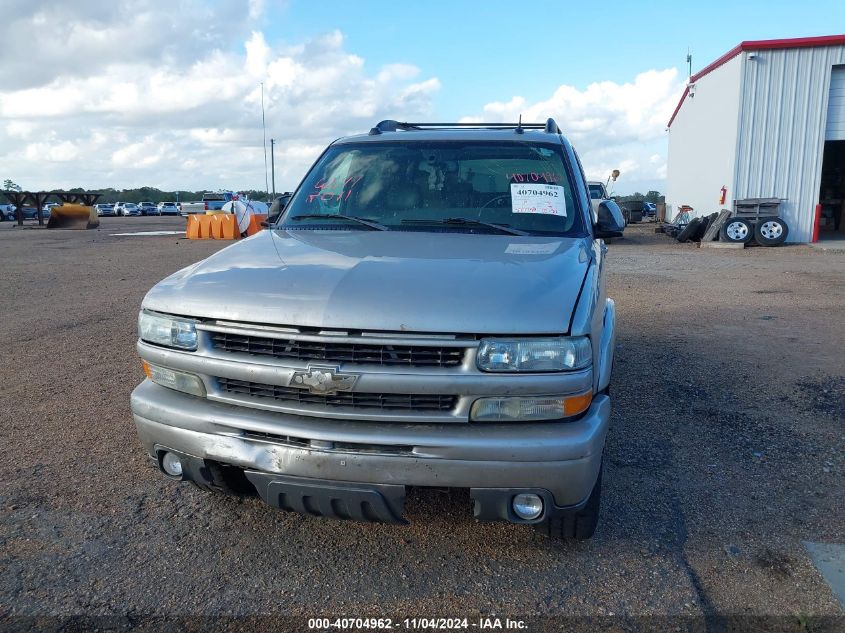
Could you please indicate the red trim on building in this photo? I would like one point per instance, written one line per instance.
(759, 45)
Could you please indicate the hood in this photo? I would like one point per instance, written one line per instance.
(385, 281)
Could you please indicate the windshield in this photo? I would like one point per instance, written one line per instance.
(420, 185)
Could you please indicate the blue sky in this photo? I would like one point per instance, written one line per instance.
(177, 104)
(488, 51)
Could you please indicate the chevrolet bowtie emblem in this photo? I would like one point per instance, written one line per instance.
(323, 380)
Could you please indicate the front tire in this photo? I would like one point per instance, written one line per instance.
(578, 526)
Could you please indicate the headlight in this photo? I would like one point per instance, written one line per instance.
(534, 354)
(167, 331)
(178, 380)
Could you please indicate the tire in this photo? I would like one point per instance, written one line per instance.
(736, 231)
(702, 228)
(578, 526)
(771, 231)
(690, 230)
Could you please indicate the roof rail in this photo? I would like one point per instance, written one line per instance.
(389, 125)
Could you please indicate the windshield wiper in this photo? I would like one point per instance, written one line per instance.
(504, 228)
(338, 216)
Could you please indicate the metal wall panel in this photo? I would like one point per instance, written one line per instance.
(702, 142)
(835, 127)
(784, 98)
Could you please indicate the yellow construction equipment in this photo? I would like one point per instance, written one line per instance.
(73, 216)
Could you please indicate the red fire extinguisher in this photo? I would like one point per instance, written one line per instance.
(724, 195)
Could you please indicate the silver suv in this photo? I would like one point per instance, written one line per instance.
(429, 310)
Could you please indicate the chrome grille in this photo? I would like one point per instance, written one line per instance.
(339, 351)
(349, 399)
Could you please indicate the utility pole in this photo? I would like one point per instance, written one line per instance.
(264, 130)
(273, 166)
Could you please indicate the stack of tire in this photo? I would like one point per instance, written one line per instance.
(695, 230)
(771, 231)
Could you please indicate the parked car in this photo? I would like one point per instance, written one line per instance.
(29, 213)
(214, 200)
(126, 208)
(649, 209)
(104, 209)
(194, 208)
(168, 208)
(449, 328)
(148, 208)
(47, 206)
(598, 193)
(7, 212)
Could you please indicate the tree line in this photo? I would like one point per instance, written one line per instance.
(144, 194)
(651, 196)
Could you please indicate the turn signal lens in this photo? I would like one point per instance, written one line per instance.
(573, 405)
(529, 409)
(178, 380)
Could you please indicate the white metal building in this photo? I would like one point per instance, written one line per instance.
(765, 120)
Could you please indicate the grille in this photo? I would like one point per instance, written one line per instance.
(350, 399)
(409, 355)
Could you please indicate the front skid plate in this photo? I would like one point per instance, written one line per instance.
(379, 503)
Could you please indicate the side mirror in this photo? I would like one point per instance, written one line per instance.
(610, 222)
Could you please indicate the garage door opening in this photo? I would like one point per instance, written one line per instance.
(832, 193)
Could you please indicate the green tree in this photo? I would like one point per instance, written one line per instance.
(9, 185)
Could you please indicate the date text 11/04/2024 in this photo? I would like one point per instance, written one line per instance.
(455, 624)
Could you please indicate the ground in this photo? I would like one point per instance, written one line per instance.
(726, 452)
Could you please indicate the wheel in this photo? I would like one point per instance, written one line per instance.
(578, 526)
(770, 231)
(690, 230)
(736, 230)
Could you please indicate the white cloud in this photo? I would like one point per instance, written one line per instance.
(187, 120)
(57, 153)
(124, 93)
(613, 126)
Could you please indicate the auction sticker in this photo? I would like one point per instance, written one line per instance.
(537, 198)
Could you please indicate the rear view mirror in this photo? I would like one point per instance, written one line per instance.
(610, 222)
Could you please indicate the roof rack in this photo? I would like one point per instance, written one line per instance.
(389, 125)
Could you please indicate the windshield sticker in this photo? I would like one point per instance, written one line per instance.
(544, 199)
(535, 176)
(532, 249)
(333, 190)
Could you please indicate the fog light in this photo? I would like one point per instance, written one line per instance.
(172, 465)
(528, 506)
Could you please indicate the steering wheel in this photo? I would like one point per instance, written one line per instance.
(492, 200)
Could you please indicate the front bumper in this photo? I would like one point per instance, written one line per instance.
(282, 454)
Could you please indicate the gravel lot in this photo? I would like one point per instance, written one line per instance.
(726, 451)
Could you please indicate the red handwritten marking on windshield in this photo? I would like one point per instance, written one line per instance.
(535, 176)
(334, 189)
